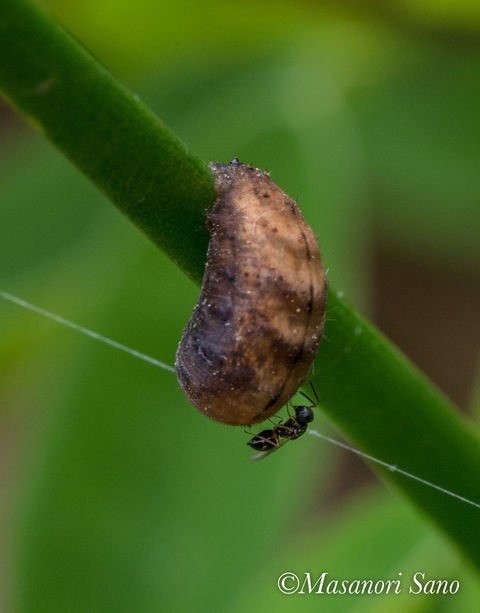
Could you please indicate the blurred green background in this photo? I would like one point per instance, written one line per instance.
(116, 494)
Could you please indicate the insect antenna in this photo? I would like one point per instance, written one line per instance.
(315, 402)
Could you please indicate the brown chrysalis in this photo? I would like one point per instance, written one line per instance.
(258, 322)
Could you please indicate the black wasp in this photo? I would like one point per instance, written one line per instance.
(268, 441)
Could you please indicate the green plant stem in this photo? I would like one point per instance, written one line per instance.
(389, 408)
(375, 395)
(106, 131)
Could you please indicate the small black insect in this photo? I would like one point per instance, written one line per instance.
(268, 441)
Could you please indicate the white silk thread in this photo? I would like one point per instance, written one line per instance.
(146, 358)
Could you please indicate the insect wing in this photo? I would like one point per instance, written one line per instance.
(263, 454)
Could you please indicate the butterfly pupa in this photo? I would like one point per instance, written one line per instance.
(256, 327)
